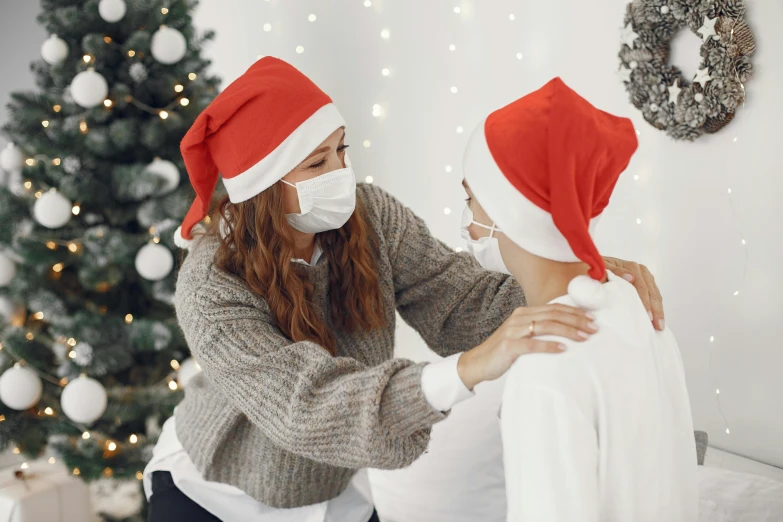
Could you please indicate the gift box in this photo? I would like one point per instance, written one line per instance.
(43, 492)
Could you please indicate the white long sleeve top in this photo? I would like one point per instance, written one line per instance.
(603, 432)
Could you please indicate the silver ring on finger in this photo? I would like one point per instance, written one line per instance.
(532, 329)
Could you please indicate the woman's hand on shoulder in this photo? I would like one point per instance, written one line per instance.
(516, 336)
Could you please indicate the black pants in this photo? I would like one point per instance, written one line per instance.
(169, 504)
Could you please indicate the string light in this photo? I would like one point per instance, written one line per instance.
(156, 240)
(72, 247)
(636, 177)
(173, 385)
(717, 392)
(30, 162)
(76, 471)
(24, 465)
(638, 221)
(57, 108)
(512, 17)
(453, 89)
(385, 72)
(299, 49)
(107, 39)
(139, 475)
(452, 47)
(17, 451)
(112, 446)
(49, 411)
(83, 127)
(458, 249)
(457, 10)
(45, 123)
(736, 293)
(39, 315)
(72, 354)
(367, 144)
(447, 211)
(29, 336)
(311, 18)
(179, 88)
(164, 10)
(87, 58)
(134, 439)
(192, 76)
(267, 27)
(107, 102)
(175, 364)
(76, 209)
(86, 435)
(519, 56)
(131, 53)
(52, 460)
(184, 102)
(385, 34)
(38, 194)
(71, 342)
(367, 3)
(448, 168)
(369, 179)
(56, 162)
(163, 115)
(28, 185)
(128, 318)
(459, 129)
(376, 110)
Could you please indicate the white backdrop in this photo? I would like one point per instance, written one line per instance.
(690, 233)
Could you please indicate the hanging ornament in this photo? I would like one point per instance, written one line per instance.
(84, 400)
(20, 388)
(7, 270)
(52, 209)
(188, 369)
(167, 171)
(138, 72)
(154, 262)
(89, 88)
(168, 45)
(54, 50)
(112, 10)
(11, 158)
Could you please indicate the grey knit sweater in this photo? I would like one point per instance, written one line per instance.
(288, 423)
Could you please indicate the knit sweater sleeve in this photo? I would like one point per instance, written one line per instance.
(446, 296)
(329, 409)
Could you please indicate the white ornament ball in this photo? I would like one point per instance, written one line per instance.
(54, 50)
(188, 369)
(654, 107)
(665, 9)
(154, 262)
(89, 88)
(166, 170)
(84, 400)
(7, 270)
(168, 45)
(11, 158)
(52, 210)
(112, 10)
(699, 97)
(20, 388)
(634, 64)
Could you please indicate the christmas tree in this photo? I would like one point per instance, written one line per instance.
(91, 357)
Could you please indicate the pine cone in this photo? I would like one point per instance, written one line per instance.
(731, 8)
(713, 125)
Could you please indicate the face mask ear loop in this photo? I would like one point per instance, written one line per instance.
(492, 230)
(287, 183)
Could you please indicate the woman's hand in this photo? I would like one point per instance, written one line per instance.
(493, 357)
(644, 282)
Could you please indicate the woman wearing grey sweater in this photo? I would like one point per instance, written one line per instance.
(288, 300)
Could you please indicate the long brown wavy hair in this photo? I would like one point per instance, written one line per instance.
(257, 246)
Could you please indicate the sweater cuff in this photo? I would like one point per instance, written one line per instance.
(404, 407)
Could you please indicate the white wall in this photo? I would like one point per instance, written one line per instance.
(689, 236)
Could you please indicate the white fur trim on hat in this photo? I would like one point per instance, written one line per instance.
(181, 242)
(290, 153)
(524, 223)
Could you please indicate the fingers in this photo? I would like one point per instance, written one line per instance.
(568, 322)
(617, 267)
(640, 283)
(526, 346)
(656, 300)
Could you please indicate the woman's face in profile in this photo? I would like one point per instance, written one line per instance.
(328, 156)
(479, 215)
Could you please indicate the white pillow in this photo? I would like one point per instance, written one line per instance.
(729, 496)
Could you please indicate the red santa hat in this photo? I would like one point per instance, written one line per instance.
(253, 133)
(544, 167)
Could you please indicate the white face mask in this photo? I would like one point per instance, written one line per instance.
(326, 202)
(486, 250)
